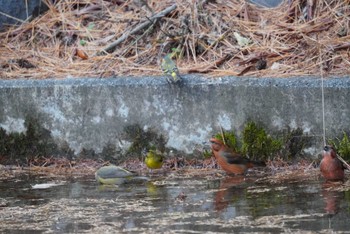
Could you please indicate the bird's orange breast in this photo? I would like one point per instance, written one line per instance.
(332, 169)
(237, 169)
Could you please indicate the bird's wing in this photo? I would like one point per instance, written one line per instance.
(159, 158)
(113, 173)
(233, 158)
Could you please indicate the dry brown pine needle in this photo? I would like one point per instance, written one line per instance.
(127, 37)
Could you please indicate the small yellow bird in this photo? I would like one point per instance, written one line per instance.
(154, 160)
(169, 68)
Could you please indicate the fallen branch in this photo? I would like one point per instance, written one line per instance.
(255, 57)
(88, 10)
(211, 67)
(110, 48)
(340, 47)
(222, 135)
(219, 39)
(343, 161)
(245, 70)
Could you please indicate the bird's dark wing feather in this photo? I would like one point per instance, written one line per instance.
(234, 158)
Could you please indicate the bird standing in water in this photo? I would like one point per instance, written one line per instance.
(113, 175)
(331, 167)
(230, 161)
(169, 68)
(154, 160)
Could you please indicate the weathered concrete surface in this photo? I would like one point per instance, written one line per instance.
(15, 11)
(91, 113)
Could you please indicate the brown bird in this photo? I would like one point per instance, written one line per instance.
(331, 167)
(230, 161)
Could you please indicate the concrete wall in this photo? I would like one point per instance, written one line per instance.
(93, 113)
(12, 11)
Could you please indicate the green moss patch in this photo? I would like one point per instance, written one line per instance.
(342, 146)
(256, 143)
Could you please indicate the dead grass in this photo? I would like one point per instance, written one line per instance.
(96, 38)
(275, 172)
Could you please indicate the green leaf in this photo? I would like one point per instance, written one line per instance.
(83, 42)
(91, 26)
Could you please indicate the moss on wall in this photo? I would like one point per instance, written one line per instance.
(342, 146)
(143, 140)
(36, 142)
(256, 143)
(25, 147)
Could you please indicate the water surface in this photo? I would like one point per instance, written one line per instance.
(175, 203)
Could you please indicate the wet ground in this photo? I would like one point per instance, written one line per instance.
(179, 202)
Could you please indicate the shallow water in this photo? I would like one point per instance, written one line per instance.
(174, 203)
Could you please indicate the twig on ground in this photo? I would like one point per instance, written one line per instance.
(211, 67)
(222, 135)
(110, 48)
(343, 161)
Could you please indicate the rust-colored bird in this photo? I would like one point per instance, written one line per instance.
(230, 161)
(331, 167)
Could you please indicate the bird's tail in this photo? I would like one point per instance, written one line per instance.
(258, 163)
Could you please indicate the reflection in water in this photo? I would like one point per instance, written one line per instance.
(331, 196)
(228, 191)
(179, 202)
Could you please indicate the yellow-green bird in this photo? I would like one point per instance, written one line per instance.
(113, 175)
(154, 160)
(169, 68)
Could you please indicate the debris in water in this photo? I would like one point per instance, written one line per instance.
(47, 185)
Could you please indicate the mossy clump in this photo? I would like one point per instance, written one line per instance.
(342, 146)
(207, 153)
(110, 152)
(143, 140)
(257, 144)
(230, 139)
(25, 147)
(87, 153)
(295, 141)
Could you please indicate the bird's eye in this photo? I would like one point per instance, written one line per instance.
(326, 148)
